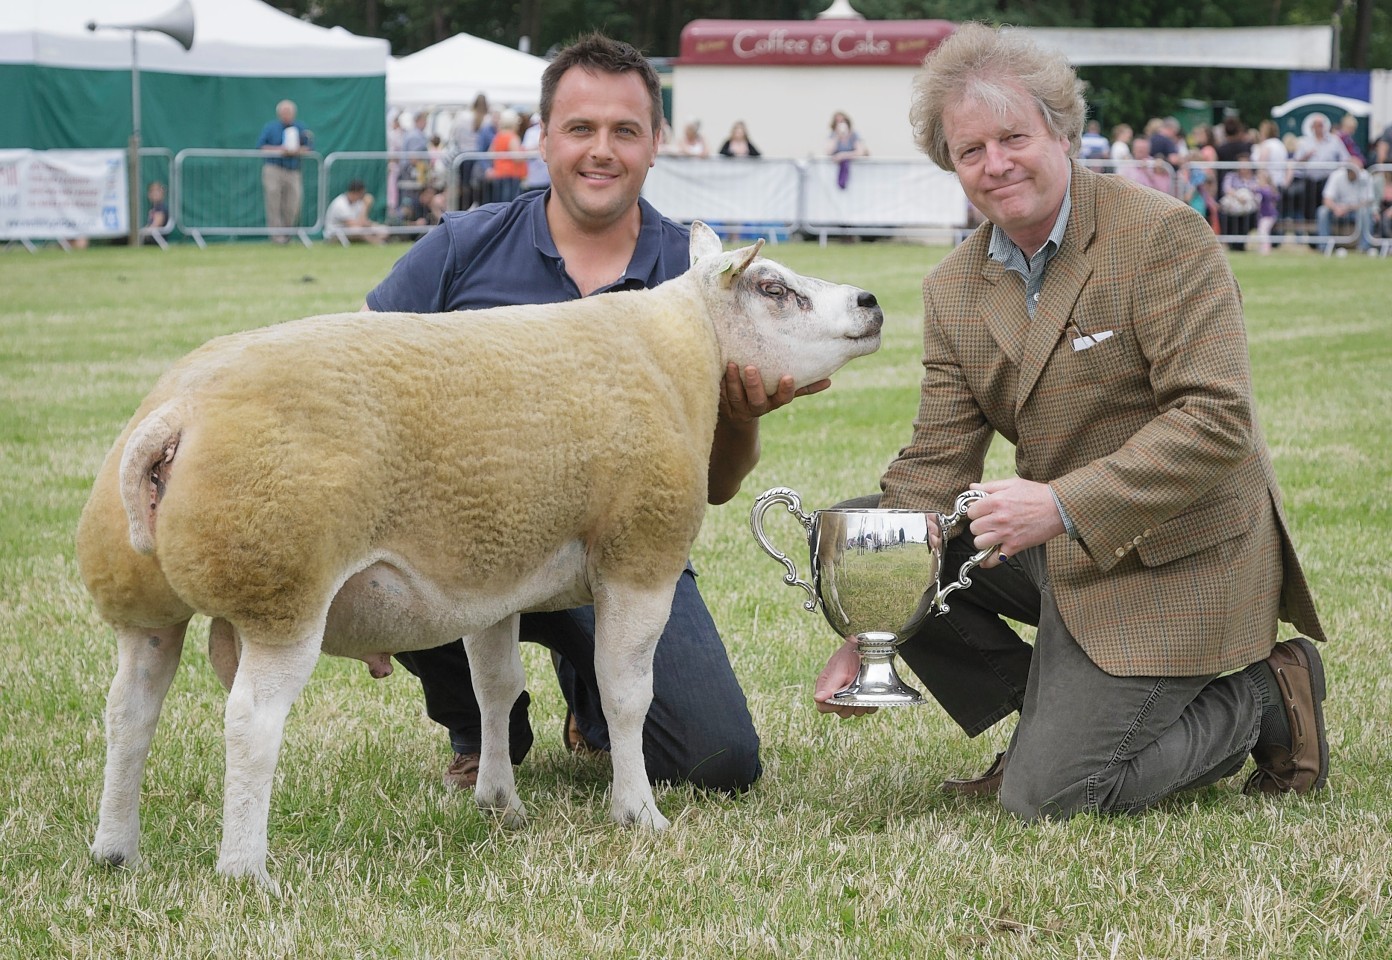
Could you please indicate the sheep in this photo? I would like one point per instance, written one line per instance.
(362, 484)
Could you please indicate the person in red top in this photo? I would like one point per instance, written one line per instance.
(506, 174)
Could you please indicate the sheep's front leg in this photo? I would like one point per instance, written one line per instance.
(628, 622)
(146, 662)
(269, 678)
(496, 664)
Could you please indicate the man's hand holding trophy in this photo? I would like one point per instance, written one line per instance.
(875, 573)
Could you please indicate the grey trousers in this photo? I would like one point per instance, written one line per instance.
(1086, 741)
(284, 194)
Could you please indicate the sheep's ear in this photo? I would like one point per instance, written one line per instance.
(704, 242)
(744, 256)
(737, 261)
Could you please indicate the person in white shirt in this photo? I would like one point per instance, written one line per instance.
(1348, 199)
(1318, 147)
(347, 218)
(1122, 135)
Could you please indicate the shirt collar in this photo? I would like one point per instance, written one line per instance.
(645, 252)
(1002, 246)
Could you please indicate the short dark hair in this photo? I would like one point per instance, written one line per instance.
(356, 186)
(600, 54)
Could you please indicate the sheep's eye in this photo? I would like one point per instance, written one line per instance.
(772, 288)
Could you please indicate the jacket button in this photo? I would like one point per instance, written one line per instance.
(1121, 551)
(1147, 533)
(1137, 542)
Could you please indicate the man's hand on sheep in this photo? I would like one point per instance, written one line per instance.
(743, 401)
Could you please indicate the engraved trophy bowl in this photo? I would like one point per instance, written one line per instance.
(875, 574)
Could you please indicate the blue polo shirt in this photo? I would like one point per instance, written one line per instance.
(273, 135)
(502, 253)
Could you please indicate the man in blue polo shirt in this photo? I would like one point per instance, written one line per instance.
(282, 141)
(591, 233)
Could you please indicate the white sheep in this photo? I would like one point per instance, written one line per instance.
(367, 483)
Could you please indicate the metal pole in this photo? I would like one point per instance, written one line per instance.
(133, 163)
(1337, 23)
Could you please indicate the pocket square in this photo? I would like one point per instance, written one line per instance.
(1089, 340)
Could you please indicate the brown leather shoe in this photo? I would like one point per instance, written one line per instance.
(462, 773)
(987, 784)
(1302, 764)
(575, 740)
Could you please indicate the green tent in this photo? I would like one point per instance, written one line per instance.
(68, 87)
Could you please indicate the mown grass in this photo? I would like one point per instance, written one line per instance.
(845, 847)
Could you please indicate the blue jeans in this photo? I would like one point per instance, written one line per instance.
(698, 729)
(1361, 221)
(1086, 741)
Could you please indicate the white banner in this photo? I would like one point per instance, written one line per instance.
(882, 193)
(808, 193)
(724, 189)
(53, 194)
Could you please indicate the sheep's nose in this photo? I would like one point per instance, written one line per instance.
(866, 299)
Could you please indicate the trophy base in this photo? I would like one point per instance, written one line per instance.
(877, 684)
(908, 697)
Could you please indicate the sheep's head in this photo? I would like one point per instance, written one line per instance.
(767, 316)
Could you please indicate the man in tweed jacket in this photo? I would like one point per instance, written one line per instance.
(1095, 325)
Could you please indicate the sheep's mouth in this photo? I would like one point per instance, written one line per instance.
(869, 333)
(867, 338)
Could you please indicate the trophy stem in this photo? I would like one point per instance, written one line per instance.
(878, 683)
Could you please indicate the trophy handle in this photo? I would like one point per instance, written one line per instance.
(756, 521)
(948, 521)
(948, 525)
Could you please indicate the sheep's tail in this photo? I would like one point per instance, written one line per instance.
(146, 464)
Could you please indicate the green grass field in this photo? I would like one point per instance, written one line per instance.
(846, 847)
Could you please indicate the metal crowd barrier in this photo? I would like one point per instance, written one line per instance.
(385, 174)
(1295, 217)
(157, 166)
(1382, 223)
(1297, 193)
(411, 188)
(218, 193)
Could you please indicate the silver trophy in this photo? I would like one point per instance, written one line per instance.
(875, 574)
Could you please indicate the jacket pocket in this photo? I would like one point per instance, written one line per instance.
(1199, 528)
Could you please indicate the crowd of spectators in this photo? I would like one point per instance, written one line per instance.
(1239, 178)
(1243, 180)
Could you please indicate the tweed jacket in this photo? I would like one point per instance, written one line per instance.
(1148, 437)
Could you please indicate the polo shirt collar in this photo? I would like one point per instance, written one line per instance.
(645, 253)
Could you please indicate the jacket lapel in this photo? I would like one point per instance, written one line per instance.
(1064, 278)
(1004, 311)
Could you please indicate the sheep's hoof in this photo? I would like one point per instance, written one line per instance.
(646, 817)
(116, 859)
(238, 870)
(507, 808)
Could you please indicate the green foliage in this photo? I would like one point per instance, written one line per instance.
(655, 25)
(1118, 94)
(845, 848)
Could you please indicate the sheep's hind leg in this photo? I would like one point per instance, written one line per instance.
(146, 662)
(628, 622)
(496, 664)
(269, 679)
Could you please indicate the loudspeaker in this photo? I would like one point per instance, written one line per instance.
(176, 23)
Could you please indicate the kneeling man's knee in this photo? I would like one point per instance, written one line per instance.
(732, 769)
(1033, 799)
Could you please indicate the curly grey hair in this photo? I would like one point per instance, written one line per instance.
(994, 67)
